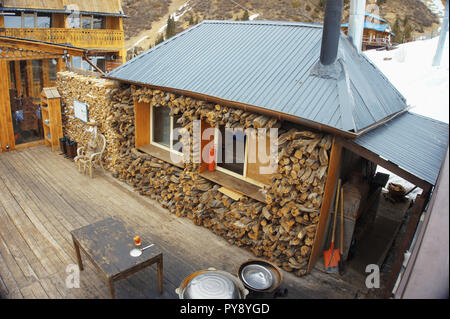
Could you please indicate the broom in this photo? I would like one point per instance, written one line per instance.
(331, 256)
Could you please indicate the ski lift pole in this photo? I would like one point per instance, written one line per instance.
(444, 29)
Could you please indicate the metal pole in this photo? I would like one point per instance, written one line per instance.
(444, 29)
(356, 22)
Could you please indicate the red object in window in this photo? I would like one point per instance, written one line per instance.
(212, 160)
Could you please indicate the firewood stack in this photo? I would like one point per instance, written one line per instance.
(281, 230)
(104, 99)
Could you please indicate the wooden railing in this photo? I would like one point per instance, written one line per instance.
(85, 38)
(376, 41)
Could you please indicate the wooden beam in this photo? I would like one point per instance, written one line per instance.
(330, 187)
(29, 70)
(6, 127)
(375, 158)
(40, 46)
(86, 58)
(34, 57)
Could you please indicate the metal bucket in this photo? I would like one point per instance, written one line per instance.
(260, 276)
(211, 284)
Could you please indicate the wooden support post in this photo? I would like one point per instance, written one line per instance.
(45, 73)
(61, 65)
(30, 81)
(6, 129)
(18, 78)
(333, 173)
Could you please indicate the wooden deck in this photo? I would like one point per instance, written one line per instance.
(43, 198)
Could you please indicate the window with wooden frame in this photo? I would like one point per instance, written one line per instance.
(235, 160)
(163, 127)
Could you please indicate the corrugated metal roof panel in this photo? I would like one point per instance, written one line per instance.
(413, 142)
(267, 64)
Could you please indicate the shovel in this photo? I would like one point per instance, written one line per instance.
(331, 256)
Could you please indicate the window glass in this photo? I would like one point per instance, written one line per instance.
(37, 69)
(43, 21)
(28, 20)
(232, 158)
(101, 64)
(99, 22)
(86, 22)
(13, 21)
(76, 62)
(74, 21)
(52, 65)
(161, 125)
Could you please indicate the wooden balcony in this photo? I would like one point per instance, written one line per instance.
(85, 38)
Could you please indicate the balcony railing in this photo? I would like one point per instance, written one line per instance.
(85, 38)
(376, 41)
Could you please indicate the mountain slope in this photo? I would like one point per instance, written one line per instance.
(147, 17)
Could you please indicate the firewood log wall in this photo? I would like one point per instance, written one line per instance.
(281, 230)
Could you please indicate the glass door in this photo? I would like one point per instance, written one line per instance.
(25, 108)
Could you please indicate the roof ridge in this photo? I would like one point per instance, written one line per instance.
(266, 22)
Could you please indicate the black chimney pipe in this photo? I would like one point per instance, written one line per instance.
(331, 31)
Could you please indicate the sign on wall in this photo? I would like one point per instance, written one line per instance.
(81, 111)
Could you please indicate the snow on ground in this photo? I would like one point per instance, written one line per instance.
(410, 70)
(425, 87)
(177, 15)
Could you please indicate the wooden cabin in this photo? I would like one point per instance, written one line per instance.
(377, 32)
(94, 25)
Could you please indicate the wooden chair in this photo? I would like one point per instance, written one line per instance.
(90, 157)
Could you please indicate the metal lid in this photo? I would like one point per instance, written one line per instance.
(211, 285)
(257, 277)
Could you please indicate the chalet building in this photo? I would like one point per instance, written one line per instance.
(37, 41)
(377, 32)
(94, 25)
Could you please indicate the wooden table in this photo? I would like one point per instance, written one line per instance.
(108, 243)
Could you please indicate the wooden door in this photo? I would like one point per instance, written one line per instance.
(6, 128)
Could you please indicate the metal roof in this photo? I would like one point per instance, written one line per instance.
(373, 26)
(368, 14)
(268, 64)
(415, 143)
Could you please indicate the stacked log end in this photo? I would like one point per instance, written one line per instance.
(281, 230)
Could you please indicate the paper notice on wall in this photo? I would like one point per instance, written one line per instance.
(81, 111)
